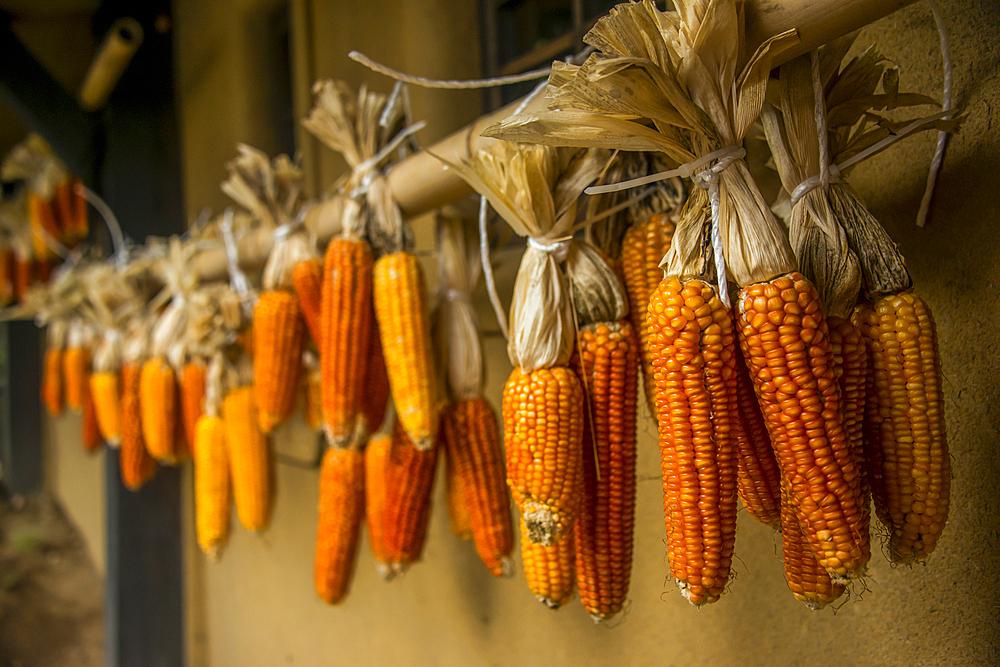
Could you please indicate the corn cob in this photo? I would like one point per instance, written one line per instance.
(643, 248)
(549, 570)
(345, 324)
(248, 449)
(81, 225)
(341, 511)
(543, 438)
(911, 479)
(454, 493)
(91, 433)
(404, 329)
(692, 344)
(308, 279)
(399, 479)
(850, 358)
(758, 475)
(158, 398)
(23, 277)
(211, 485)
(104, 389)
(279, 333)
(192, 400)
(375, 398)
(76, 376)
(806, 578)
(785, 340)
(52, 389)
(63, 208)
(607, 359)
(472, 443)
(137, 466)
(41, 217)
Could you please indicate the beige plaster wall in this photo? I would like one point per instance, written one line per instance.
(257, 606)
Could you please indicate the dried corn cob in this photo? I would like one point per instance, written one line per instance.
(806, 578)
(308, 279)
(643, 248)
(249, 454)
(549, 570)
(454, 494)
(692, 344)
(41, 217)
(80, 226)
(211, 485)
(850, 358)
(345, 323)
(23, 276)
(911, 479)
(104, 388)
(192, 399)
(91, 433)
(404, 329)
(398, 483)
(607, 359)
(375, 397)
(76, 376)
(543, 438)
(341, 511)
(279, 334)
(784, 337)
(158, 398)
(472, 443)
(52, 389)
(137, 466)
(758, 475)
(62, 206)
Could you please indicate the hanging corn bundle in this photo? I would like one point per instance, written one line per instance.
(212, 489)
(477, 495)
(906, 448)
(248, 449)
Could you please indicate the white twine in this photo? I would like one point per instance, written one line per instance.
(558, 248)
(110, 221)
(946, 64)
(484, 256)
(686, 170)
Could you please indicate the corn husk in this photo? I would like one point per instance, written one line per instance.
(667, 82)
(270, 189)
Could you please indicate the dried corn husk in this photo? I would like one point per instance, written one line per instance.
(456, 327)
(270, 189)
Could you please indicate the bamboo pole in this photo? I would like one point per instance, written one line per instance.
(109, 64)
(421, 183)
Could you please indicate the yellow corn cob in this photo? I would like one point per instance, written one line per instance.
(454, 495)
(107, 405)
(549, 570)
(137, 466)
(249, 459)
(806, 578)
(158, 399)
(404, 329)
(52, 389)
(910, 469)
(76, 376)
(341, 511)
(345, 323)
(211, 485)
(785, 341)
(308, 280)
(607, 359)
(473, 449)
(692, 344)
(91, 433)
(279, 333)
(192, 400)
(643, 248)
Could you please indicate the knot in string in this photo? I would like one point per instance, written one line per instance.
(558, 248)
(708, 179)
(813, 182)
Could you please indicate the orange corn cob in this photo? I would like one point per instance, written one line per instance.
(758, 475)
(806, 578)
(850, 358)
(692, 344)
(104, 389)
(76, 376)
(549, 570)
(473, 448)
(192, 400)
(454, 495)
(279, 334)
(341, 511)
(308, 280)
(376, 392)
(81, 225)
(91, 433)
(42, 218)
(62, 206)
(249, 459)
(399, 479)
(345, 323)
(314, 400)
(158, 398)
(52, 389)
(607, 359)
(785, 340)
(211, 485)
(6, 276)
(543, 438)
(405, 332)
(643, 248)
(911, 474)
(137, 466)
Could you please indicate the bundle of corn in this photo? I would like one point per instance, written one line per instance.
(272, 190)
(248, 449)
(211, 466)
(905, 451)
(399, 478)
(477, 496)
(137, 466)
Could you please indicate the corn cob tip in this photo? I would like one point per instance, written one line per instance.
(506, 568)
(550, 603)
(389, 571)
(423, 444)
(543, 529)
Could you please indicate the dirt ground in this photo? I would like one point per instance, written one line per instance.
(51, 596)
